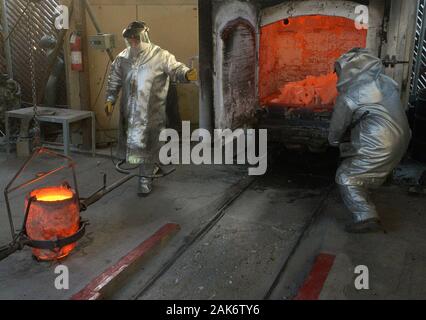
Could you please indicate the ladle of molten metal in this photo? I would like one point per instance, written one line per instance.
(52, 223)
(54, 214)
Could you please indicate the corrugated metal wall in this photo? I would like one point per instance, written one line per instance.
(43, 18)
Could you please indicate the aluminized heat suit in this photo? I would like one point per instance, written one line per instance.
(144, 81)
(142, 72)
(369, 106)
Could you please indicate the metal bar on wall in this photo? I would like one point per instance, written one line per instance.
(96, 25)
(206, 65)
(419, 55)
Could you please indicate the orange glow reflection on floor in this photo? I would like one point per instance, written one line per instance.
(298, 55)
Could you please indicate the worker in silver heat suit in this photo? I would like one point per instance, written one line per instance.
(142, 72)
(369, 107)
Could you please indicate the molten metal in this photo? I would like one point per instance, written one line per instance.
(313, 92)
(52, 194)
(54, 214)
(296, 59)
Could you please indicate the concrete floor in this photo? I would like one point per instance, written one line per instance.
(119, 222)
(396, 260)
(240, 257)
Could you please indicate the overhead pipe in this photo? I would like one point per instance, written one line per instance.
(206, 115)
(96, 25)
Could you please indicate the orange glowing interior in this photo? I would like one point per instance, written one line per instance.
(51, 217)
(51, 194)
(296, 60)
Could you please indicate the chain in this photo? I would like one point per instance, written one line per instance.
(32, 44)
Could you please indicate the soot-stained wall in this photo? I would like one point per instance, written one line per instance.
(239, 73)
(235, 30)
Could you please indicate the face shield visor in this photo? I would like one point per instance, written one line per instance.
(137, 39)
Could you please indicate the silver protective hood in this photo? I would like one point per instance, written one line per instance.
(138, 43)
(144, 82)
(369, 109)
(356, 68)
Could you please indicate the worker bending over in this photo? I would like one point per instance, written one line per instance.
(369, 107)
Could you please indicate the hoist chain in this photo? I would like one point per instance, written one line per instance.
(32, 44)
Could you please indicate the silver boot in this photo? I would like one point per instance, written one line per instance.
(145, 187)
(365, 217)
(145, 184)
(357, 200)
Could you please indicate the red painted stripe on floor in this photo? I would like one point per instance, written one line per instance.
(99, 286)
(312, 287)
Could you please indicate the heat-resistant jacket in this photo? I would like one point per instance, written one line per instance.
(144, 81)
(380, 139)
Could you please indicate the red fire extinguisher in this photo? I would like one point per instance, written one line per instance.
(76, 52)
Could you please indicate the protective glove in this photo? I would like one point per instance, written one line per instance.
(109, 108)
(192, 75)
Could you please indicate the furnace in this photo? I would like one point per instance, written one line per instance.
(296, 60)
(273, 61)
